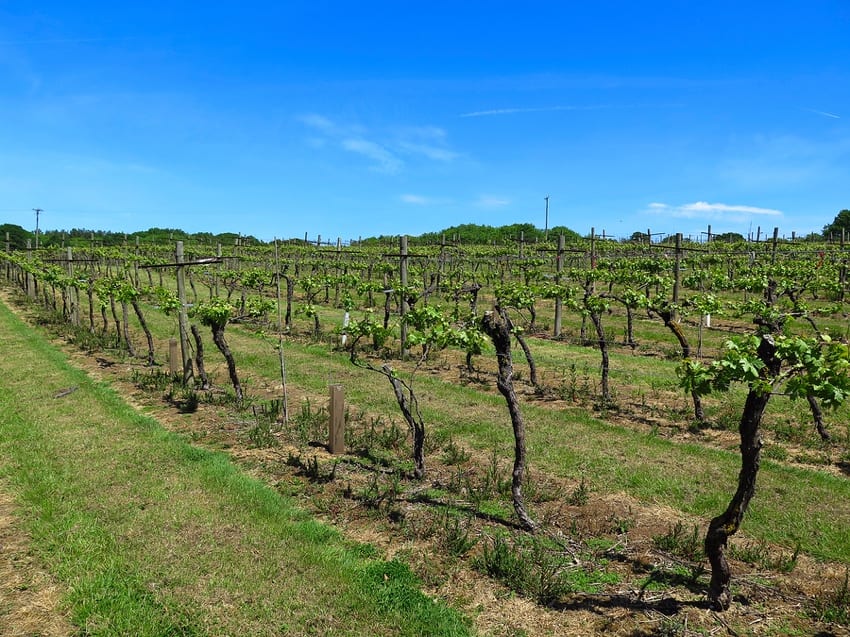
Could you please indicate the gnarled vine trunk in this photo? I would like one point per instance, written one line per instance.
(148, 336)
(221, 344)
(199, 357)
(727, 524)
(410, 410)
(674, 326)
(497, 326)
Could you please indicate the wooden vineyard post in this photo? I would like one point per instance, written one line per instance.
(182, 317)
(773, 250)
(73, 292)
(842, 277)
(403, 300)
(336, 420)
(30, 281)
(136, 265)
(677, 268)
(172, 357)
(559, 266)
(8, 262)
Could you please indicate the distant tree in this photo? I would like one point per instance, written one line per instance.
(17, 236)
(728, 237)
(569, 235)
(841, 222)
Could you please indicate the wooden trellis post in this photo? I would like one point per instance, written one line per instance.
(559, 266)
(182, 316)
(403, 301)
(336, 420)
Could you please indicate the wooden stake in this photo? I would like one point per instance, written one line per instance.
(336, 420)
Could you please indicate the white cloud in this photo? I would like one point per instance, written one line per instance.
(706, 210)
(319, 122)
(385, 149)
(431, 152)
(824, 113)
(386, 160)
(489, 201)
(417, 200)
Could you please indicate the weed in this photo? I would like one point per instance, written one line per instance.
(309, 424)
(188, 403)
(311, 469)
(580, 494)
(382, 495)
(759, 554)
(678, 542)
(539, 568)
(454, 454)
(536, 490)
(154, 380)
(573, 387)
(671, 627)
(775, 452)
(261, 436)
(621, 525)
(456, 536)
(834, 606)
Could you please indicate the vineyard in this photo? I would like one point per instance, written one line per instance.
(620, 429)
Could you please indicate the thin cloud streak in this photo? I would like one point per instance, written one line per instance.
(424, 141)
(386, 160)
(700, 209)
(551, 109)
(823, 113)
(489, 201)
(539, 109)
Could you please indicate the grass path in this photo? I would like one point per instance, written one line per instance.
(152, 536)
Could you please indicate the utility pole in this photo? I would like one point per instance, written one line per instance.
(546, 227)
(38, 211)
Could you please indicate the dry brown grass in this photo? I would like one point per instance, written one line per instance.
(30, 601)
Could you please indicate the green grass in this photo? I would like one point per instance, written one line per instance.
(154, 537)
(792, 505)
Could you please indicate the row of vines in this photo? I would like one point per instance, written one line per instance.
(782, 308)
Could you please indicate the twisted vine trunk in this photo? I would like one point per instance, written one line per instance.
(221, 344)
(497, 326)
(148, 336)
(674, 326)
(125, 316)
(410, 410)
(596, 319)
(817, 416)
(199, 356)
(727, 524)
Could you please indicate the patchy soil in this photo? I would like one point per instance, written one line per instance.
(651, 578)
(30, 601)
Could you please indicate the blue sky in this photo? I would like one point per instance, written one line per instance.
(278, 119)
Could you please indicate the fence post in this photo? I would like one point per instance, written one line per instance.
(403, 296)
(30, 280)
(73, 292)
(559, 266)
(336, 420)
(172, 357)
(677, 268)
(182, 317)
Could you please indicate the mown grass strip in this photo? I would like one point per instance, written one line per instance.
(155, 537)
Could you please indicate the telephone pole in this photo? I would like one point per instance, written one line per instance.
(38, 211)
(546, 227)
